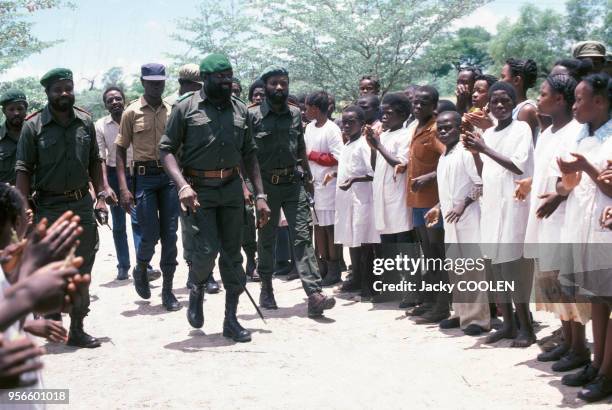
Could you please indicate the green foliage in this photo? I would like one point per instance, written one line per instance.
(589, 20)
(16, 39)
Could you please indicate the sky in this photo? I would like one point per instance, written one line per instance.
(98, 35)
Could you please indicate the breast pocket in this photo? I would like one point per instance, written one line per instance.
(7, 157)
(198, 130)
(83, 145)
(240, 127)
(48, 149)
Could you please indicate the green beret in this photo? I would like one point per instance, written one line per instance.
(54, 75)
(214, 63)
(273, 70)
(12, 96)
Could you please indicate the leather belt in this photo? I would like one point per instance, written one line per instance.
(218, 173)
(76, 194)
(147, 167)
(281, 175)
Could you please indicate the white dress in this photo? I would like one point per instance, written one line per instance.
(354, 211)
(542, 235)
(326, 139)
(392, 214)
(503, 219)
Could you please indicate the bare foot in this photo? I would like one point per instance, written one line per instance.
(503, 333)
(524, 339)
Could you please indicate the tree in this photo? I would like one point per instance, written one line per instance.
(589, 20)
(113, 77)
(537, 34)
(16, 40)
(324, 43)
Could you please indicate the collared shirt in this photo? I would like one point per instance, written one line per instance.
(279, 136)
(8, 155)
(425, 151)
(602, 133)
(207, 137)
(106, 134)
(142, 127)
(57, 156)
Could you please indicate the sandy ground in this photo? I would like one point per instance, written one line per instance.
(360, 356)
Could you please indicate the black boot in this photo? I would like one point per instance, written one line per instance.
(266, 297)
(251, 267)
(195, 312)
(231, 327)
(77, 336)
(212, 286)
(141, 281)
(168, 299)
(333, 274)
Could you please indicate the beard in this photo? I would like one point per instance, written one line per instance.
(16, 122)
(218, 91)
(277, 97)
(62, 104)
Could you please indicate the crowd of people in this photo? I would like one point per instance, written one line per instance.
(525, 184)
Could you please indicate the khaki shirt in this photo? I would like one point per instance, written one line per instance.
(279, 136)
(205, 137)
(425, 151)
(142, 127)
(8, 156)
(58, 157)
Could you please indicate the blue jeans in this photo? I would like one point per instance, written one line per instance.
(119, 220)
(157, 209)
(418, 218)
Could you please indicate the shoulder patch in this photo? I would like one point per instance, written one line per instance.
(82, 110)
(35, 113)
(185, 96)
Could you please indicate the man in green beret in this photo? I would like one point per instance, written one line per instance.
(277, 128)
(14, 107)
(58, 152)
(206, 139)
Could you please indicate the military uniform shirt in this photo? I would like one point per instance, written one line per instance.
(205, 137)
(58, 157)
(279, 136)
(8, 156)
(142, 127)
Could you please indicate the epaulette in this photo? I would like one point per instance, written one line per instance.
(33, 115)
(82, 110)
(253, 105)
(184, 96)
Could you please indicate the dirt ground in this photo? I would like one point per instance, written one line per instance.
(360, 356)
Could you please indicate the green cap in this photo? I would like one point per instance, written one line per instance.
(54, 75)
(12, 96)
(589, 49)
(214, 63)
(273, 70)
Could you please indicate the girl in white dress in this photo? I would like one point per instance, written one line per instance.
(522, 75)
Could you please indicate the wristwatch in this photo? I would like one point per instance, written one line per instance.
(262, 196)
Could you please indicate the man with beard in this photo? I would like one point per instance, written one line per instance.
(277, 128)
(142, 126)
(57, 150)
(14, 107)
(207, 137)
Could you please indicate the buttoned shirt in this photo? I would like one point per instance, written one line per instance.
(106, 134)
(8, 155)
(142, 127)
(58, 156)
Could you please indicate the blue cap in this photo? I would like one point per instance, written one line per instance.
(153, 72)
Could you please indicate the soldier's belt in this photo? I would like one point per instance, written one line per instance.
(147, 168)
(280, 175)
(224, 173)
(75, 195)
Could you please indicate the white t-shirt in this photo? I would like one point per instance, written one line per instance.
(326, 139)
(391, 213)
(457, 177)
(504, 219)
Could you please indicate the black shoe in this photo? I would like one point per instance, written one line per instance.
(141, 282)
(431, 316)
(195, 311)
(473, 330)
(599, 389)
(583, 377)
(318, 302)
(122, 273)
(282, 268)
(266, 297)
(293, 274)
(407, 302)
(212, 286)
(333, 274)
(251, 264)
(553, 355)
(451, 323)
(350, 286)
(420, 310)
(168, 299)
(231, 326)
(153, 274)
(77, 336)
(572, 361)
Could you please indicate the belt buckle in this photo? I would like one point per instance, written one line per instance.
(141, 170)
(221, 173)
(275, 179)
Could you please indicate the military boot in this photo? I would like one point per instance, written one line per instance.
(231, 327)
